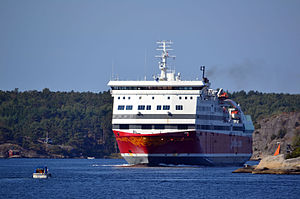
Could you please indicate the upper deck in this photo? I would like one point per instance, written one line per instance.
(156, 85)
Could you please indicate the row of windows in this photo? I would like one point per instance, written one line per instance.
(227, 128)
(174, 126)
(154, 126)
(148, 107)
(122, 107)
(210, 117)
(180, 97)
(203, 108)
(156, 88)
(208, 108)
(165, 107)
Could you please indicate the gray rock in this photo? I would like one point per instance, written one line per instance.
(274, 130)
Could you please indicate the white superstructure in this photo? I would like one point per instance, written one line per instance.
(186, 118)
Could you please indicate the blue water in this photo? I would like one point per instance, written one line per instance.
(102, 178)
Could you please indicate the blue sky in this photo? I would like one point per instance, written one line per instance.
(69, 45)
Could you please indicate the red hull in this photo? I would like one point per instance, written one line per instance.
(190, 142)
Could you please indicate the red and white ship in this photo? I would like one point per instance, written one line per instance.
(172, 121)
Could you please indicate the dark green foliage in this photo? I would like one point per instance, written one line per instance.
(295, 153)
(261, 105)
(79, 120)
(296, 148)
(295, 145)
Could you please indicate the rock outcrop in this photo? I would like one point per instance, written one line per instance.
(51, 152)
(4, 151)
(282, 128)
(273, 165)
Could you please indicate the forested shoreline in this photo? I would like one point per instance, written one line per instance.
(78, 124)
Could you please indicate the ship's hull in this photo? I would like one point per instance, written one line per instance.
(188, 148)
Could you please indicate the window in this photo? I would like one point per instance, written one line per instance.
(168, 98)
(121, 107)
(182, 126)
(180, 98)
(129, 107)
(204, 108)
(159, 126)
(238, 128)
(141, 107)
(166, 107)
(153, 98)
(118, 97)
(191, 97)
(158, 107)
(148, 107)
(205, 127)
(185, 97)
(179, 107)
(124, 126)
(221, 128)
(146, 126)
(123, 97)
(140, 97)
(129, 98)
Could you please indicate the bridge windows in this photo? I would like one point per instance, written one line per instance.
(166, 107)
(121, 107)
(141, 107)
(129, 107)
(179, 107)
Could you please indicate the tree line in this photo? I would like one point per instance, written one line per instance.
(79, 123)
(79, 120)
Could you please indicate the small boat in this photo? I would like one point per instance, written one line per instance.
(41, 172)
(90, 158)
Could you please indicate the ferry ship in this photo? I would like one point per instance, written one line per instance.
(172, 121)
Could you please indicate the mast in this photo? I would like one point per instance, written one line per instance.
(164, 46)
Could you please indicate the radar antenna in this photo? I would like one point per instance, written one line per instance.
(164, 46)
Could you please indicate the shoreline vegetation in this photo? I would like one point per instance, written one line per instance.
(47, 124)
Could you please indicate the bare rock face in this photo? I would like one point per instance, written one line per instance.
(278, 165)
(274, 130)
(271, 162)
(273, 165)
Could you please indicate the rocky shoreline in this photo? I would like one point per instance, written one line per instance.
(273, 165)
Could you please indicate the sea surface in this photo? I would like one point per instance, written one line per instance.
(108, 178)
